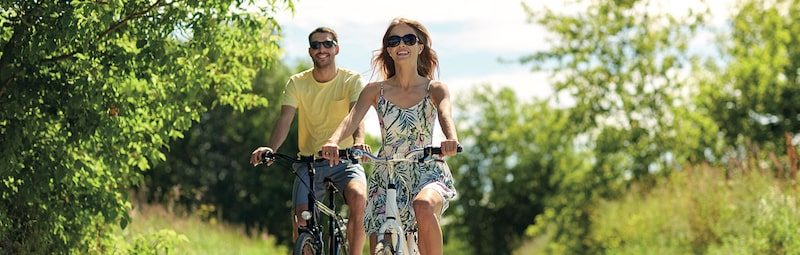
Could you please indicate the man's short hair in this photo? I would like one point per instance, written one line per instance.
(324, 30)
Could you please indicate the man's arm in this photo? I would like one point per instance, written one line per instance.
(282, 125)
(279, 133)
(358, 135)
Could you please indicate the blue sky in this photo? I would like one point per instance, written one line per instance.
(470, 36)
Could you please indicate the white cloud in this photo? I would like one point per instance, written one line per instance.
(462, 30)
(526, 84)
(456, 25)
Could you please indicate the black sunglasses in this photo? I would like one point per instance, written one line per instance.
(394, 41)
(328, 44)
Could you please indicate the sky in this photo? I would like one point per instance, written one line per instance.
(470, 37)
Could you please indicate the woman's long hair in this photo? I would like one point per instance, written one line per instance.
(426, 62)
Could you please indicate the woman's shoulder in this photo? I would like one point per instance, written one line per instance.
(373, 87)
(438, 85)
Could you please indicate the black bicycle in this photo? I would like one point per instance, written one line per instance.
(310, 238)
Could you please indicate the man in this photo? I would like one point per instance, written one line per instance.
(323, 96)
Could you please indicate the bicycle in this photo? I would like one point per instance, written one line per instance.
(310, 238)
(393, 229)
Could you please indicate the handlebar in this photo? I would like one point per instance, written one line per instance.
(408, 156)
(271, 156)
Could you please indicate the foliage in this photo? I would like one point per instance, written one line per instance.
(513, 151)
(700, 211)
(156, 231)
(210, 166)
(624, 66)
(757, 93)
(159, 242)
(92, 91)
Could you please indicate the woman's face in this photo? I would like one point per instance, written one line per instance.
(398, 44)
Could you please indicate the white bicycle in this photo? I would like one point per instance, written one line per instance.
(391, 231)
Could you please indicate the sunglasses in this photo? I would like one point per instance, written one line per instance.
(328, 44)
(394, 41)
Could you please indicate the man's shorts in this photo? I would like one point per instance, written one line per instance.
(340, 174)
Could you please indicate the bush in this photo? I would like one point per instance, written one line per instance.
(702, 211)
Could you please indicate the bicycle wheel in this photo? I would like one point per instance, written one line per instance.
(384, 247)
(340, 242)
(305, 245)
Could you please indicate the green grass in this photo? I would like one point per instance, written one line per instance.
(697, 211)
(701, 211)
(155, 231)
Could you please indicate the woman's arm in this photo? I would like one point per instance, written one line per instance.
(441, 98)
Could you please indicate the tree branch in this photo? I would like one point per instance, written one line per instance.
(10, 49)
(118, 24)
(113, 27)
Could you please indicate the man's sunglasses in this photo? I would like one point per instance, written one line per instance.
(328, 44)
(394, 41)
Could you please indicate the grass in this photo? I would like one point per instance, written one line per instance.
(701, 210)
(153, 230)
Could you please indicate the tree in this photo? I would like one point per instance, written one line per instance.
(92, 91)
(625, 67)
(755, 96)
(513, 153)
(210, 166)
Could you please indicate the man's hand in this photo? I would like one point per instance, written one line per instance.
(330, 151)
(258, 154)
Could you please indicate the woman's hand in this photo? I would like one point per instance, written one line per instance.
(449, 147)
(364, 147)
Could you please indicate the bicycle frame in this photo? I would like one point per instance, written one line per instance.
(392, 228)
(312, 214)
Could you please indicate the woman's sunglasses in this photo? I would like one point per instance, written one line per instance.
(328, 44)
(394, 41)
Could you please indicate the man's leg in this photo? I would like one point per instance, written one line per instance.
(356, 196)
(299, 198)
(298, 221)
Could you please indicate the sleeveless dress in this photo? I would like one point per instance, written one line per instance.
(404, 129)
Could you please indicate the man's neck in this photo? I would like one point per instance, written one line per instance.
(324, 74)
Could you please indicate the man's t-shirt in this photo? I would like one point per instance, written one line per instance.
(321, 107)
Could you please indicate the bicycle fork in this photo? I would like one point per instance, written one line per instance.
(403, 243)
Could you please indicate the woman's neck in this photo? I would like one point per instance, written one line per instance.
(406, 76)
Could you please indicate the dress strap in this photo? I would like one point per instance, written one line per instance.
(429, 87)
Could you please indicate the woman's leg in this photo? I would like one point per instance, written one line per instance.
(373, 241)
(427, 207)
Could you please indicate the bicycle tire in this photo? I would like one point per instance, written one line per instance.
(305, 245)
(384, 247)
(341, 246)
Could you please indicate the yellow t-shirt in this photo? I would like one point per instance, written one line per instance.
(321, 107)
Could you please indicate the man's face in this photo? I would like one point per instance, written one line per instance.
(322, 49)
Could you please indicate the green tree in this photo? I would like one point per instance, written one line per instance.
(756, 95)
(513, 151)
(625, 66)
(93, 90)
(210, 166)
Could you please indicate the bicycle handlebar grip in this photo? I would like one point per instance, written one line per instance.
(267, 157)
(438, 150)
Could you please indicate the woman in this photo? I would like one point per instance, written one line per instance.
(407, 101)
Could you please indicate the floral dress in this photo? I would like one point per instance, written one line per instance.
(404, 129)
